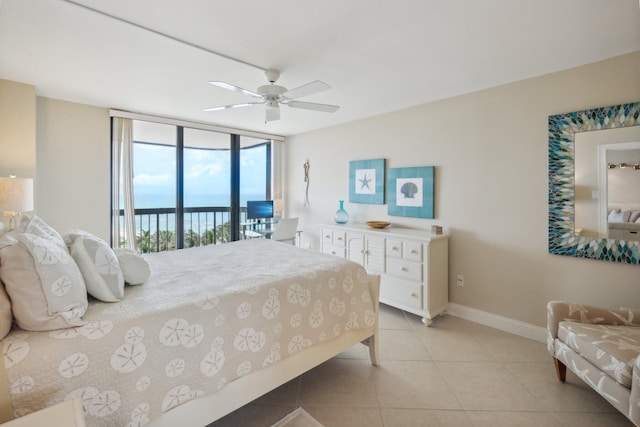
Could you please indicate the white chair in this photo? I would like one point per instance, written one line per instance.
(286, 230)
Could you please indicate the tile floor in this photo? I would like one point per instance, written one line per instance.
(454, 373)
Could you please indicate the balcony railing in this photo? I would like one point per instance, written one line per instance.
(155, 227)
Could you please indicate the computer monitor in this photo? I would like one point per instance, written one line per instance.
(259, 209)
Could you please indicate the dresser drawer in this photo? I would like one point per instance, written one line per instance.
(412, 251)
(327, 236)
(339, 238)
(394, 248)
(401, 291)
(404, 269)
(333, 250)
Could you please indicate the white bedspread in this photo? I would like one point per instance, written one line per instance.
(207, 316)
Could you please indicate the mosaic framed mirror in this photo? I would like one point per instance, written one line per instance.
(563, 239)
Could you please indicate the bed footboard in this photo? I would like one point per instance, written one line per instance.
(372, 341)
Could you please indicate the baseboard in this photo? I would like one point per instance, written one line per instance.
(502, 323)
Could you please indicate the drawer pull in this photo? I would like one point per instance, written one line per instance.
(413, 251)
(394, 248)
(404, 269)
(413, 294)
(333, 252)
(339, 238)
(328, 236)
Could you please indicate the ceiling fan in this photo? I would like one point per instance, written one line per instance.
(272, 96)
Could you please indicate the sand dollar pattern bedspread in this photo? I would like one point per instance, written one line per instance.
(206, 317)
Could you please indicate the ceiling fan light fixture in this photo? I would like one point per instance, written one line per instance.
(272, 110)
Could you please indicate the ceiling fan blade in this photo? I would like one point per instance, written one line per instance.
(325, 108)
(234, 88)
(226, 107)
(306, 90)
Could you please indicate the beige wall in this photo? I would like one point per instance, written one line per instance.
(73, 157)
(490, 153)
(17, 131)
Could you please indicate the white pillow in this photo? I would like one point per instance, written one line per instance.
(135, 268)
(98, 264)
(46, 287)
(616, 216)
(38, 227)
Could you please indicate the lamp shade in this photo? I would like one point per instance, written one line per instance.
(16, 195)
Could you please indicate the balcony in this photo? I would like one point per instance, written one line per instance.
(155, 228)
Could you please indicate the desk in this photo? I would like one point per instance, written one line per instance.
(253, 230)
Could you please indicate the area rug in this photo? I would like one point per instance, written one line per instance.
(298, 418)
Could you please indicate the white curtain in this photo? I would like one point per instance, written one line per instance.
(122, 175)
(277, 171)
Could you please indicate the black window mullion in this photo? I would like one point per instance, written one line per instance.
(235, 188)
(180, 187)
(268, 173)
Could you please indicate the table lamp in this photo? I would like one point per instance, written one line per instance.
(16, 197)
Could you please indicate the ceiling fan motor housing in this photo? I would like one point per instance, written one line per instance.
(272, 75)
(271, 90)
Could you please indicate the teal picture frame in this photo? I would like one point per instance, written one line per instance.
(411, 191)
(367, 181)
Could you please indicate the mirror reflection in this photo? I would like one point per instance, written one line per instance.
(607, 184)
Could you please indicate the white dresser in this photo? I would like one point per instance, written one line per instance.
(412, 263)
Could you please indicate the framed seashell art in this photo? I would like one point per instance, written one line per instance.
(410, 191)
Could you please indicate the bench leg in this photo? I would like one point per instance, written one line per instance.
(561, 370)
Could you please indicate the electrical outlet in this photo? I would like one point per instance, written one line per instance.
(460, 280)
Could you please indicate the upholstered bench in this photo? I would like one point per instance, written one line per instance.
(600, 346)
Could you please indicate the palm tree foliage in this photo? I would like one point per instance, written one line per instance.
(166, 239)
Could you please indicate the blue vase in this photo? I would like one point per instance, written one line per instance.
(341, 216)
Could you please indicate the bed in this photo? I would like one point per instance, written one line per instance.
(212, 329)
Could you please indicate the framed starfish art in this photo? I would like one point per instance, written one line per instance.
(366, 181)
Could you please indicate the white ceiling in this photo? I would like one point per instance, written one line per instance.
(378, 55)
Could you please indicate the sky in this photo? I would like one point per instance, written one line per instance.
(206, 176)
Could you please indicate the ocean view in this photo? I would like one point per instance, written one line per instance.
(198, 222)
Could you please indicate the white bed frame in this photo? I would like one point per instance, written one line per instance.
(209, 408)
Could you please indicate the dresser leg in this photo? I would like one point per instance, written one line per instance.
(427, 322)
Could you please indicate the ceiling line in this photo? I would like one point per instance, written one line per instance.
(142, 27)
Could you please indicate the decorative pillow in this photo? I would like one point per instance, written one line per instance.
(38, 227)
(46, 287)
(98, 264)
(615, 216)
(634, 217)
(135, 268)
